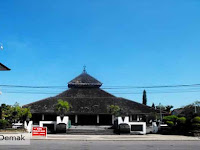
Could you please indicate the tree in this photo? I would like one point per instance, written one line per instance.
(144, 98)
(62, 107)
(26, 114)
(164, 108)
(181, 120)
(191, 110)
(160, 107)
(197, 103)
(15, 113)
(196, 123)
(6, 111)
(168, 108)
(3, 124)
(196, 107)
(153, 106)
(170, 120)
(114, 110)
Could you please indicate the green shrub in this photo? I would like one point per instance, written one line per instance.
(181, 120)
(196, 126)
(3, 124)
(196, 119)
(172, 118)
(170, 123)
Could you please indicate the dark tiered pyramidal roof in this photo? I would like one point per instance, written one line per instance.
(84, 80)
(86, 97)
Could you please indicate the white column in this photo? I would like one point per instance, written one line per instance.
(131, 119)
(76, 118)
(42, 116)
(113, 119)
(97, 119)
(138, 118)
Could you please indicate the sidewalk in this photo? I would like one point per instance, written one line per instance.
(148, 137)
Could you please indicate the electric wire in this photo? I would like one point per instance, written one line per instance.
(182, 88)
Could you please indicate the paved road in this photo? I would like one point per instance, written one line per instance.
(106, 145)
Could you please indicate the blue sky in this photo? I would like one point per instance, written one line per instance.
(122, 43)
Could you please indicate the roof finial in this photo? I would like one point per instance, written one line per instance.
(84, 69)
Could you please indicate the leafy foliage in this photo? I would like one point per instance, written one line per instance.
(26, 114)
(172, 118)
(176, 120)
(3, 124)
(191, 110)
(15, 113)
(196, 119)
(196, 123)
(168, 108)
(160, 107)
(114, 110)
(62, 107)
(181, 120)
(164, 108)
(170, 123)
(195, 126)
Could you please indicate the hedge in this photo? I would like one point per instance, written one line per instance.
(170, 123)
(172, 118)
(196, 126)
(3, 124)
(196, 119)
(181, 120)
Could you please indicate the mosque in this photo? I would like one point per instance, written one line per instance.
(89, 104)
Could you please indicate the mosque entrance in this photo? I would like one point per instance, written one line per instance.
(87, 119)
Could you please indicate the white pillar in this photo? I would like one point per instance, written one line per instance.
(76, 118)
(42, 116)
(113, 119)
(97, 119)
(131, 119)
(138, 118)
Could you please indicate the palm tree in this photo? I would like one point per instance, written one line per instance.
(114, 110)
(62, 107)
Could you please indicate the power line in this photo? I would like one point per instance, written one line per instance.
(156, 86)
(107, 87)
(160, 92)
(157, 92)
(26, 86)
(178, 89)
